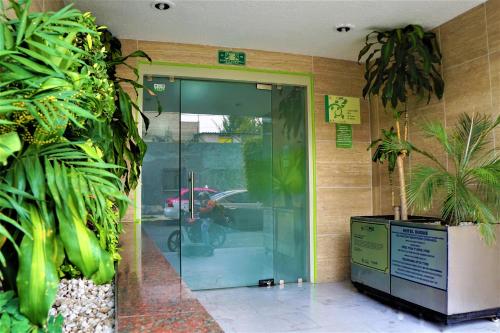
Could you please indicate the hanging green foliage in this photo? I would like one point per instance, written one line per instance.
(401, 62)
(70, 152)
(11, 320)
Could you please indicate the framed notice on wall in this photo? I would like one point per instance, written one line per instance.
(343, 135)
(342, 110)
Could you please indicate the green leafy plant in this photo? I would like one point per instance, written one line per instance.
(11, 320)
(471, 188)
(124, 144)
(69, 154)
(400, 62)
(387, 149)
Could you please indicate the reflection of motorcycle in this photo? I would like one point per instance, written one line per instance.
(191, 230)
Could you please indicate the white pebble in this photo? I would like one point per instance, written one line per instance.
(85, 306)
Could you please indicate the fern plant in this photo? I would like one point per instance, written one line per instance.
(401, 62)
(471, 186)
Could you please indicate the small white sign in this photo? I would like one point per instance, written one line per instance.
(159, 87)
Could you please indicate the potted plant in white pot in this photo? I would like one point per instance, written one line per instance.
(464, 275)
(400, 63)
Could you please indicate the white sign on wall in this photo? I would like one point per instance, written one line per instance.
(419, 255)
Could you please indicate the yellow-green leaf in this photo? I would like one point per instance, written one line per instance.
(37, 278)
(9, 144)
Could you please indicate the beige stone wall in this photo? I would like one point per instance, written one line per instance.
(43, 5)
(343, 179)
(343, 175)
(470, 44)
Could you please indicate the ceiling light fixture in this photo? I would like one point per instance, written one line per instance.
(344, 27)
(163, 5)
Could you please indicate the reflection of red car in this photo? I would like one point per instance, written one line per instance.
(171, 209)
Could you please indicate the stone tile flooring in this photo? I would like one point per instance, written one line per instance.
(326, 307)
(151, 297)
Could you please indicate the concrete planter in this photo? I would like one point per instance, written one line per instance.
(446, 272)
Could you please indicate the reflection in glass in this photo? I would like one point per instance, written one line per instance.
(246, 151)
(227, 248)
(290, 183)
(161, 197)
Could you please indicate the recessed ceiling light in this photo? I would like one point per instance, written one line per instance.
(163, 5)
(344, 27)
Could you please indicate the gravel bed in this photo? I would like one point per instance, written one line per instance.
(85, 306)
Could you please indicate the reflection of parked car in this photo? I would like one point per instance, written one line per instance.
(243, 213)
(171, 209)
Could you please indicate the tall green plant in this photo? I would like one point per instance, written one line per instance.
(70, 152)
(401, 62)
(124, 144)
(471, 187)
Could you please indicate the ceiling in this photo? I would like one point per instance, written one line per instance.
(301, 27)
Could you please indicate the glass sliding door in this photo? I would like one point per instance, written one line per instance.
(224, 181)
(227, 155)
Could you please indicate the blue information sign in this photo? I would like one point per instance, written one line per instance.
(419, 255)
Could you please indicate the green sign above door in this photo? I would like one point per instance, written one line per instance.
(232, 58)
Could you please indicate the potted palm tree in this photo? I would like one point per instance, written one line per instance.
(467, 258)
(402, 62)
(399, 63)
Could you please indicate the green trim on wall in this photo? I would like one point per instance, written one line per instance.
(312, 145)
(134, 210)
(314, 201)
(225, 67)
(327, 118)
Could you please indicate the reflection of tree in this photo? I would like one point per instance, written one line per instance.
(169, 136)
(234, 124)
(289, 151)
(275, 165)
(257, 169)
(288, 176)
(291, 110)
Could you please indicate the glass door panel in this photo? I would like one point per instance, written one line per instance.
(160, 203)
(290, 183)
(226, 147)
(224, 180)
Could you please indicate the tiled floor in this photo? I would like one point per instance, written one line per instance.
(326, 307)
(151, 297)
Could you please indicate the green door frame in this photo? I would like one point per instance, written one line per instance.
(236, 73)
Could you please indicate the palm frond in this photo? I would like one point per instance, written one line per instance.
(472, 188)
(437, 131)
(425, 182)
(471, 135)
